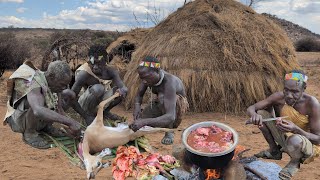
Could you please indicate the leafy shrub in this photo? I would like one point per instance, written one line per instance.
(105, 41)
(12, 52)
(307, 44)
(97, 49)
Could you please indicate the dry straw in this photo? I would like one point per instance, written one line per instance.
(227, 55)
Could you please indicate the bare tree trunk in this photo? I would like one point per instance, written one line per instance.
(251, 3)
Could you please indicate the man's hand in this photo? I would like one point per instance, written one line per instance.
(75, 129)
(136, 111)
(286, 126)
(122, 91)
(256, 119)
(136, 125)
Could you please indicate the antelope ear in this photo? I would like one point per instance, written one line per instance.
(105, 152)
(82, 165)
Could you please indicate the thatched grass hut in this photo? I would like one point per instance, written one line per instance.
(227, 55)
(121, 50)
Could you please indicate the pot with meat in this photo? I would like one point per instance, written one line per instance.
(209, 145)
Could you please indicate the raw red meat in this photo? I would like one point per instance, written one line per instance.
(203, 131)
(210, 139)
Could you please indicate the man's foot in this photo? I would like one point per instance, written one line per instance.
(275, 154)
(288, 171)
(266, 154)
(168, 138)
(34, 140)
(111, 116)
(52, 131)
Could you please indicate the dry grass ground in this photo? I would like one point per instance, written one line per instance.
(310, 62)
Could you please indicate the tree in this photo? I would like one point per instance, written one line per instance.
(251, 3)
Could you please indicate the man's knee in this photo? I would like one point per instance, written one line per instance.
(264, 114)
(97, 90)
(294, 143)
(68, 94)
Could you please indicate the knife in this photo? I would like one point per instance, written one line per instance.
(266, 120)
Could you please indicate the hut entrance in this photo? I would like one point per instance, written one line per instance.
(124, 49)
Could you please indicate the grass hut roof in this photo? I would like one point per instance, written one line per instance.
(121, 50)
(227, 55)
(134, 37)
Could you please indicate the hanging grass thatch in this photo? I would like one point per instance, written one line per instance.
(227, 55)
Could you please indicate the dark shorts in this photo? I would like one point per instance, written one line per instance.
(156, 109)
(309, 150)
(88, 101)
(18, 121)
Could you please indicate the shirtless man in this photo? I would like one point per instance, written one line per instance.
(299, 133)
(96, 77)
(33, 105)
(164, 111)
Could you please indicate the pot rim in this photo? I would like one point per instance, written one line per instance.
(225, 127)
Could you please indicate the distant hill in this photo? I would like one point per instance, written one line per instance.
(294, 31)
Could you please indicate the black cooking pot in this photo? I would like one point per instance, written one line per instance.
(209, 160)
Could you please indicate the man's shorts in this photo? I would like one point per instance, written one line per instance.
(156, 108)
(18, 120)
(309, 150)
(89, 102)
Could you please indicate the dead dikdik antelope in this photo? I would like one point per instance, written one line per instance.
(99, 138)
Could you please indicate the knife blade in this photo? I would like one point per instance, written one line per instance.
(267, 119)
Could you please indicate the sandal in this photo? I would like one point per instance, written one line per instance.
(35, 141)
(268, 155)
(287, 172)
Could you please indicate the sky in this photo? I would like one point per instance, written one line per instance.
(123, 15)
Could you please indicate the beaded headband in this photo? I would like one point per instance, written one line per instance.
(296, 77)
(149, 64)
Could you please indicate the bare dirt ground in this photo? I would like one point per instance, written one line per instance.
(20, 161)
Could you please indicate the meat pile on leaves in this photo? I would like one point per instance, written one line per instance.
(130, 162)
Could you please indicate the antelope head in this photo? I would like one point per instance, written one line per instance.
(94, 164)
